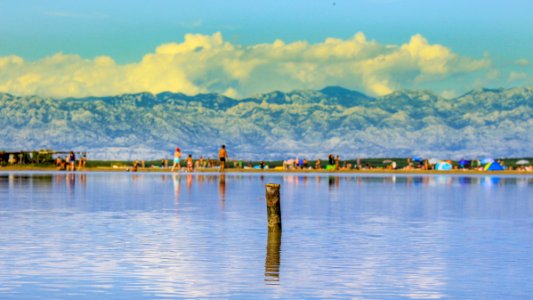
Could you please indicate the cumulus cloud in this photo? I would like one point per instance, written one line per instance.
(516, 76)
(208, 63)
(522, 62)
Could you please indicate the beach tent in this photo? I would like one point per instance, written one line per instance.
(493, 166)
(443, 166)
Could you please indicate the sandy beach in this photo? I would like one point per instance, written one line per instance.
(272, 170)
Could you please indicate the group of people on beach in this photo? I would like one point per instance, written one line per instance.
(69, 162)
(189, 164)
(333, 163)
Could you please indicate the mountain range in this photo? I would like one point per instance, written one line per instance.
(276, 125)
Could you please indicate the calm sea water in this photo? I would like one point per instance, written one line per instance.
(122, 236)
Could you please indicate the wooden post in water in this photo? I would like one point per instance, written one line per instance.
(272, 259)
(273, 207)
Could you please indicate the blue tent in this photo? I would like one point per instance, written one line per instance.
(493, 166)
(463, 163)
(443, 166)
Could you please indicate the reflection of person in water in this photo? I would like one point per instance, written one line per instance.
(176, 180)
(82, 179)
(222, 188)
(189, 181)
(334, 182)
(70, 180)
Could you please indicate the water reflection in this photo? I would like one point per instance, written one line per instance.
(116, 235)
(176, 183)
(222, 189)
(334, 181)
(272, 259)
(70, 181)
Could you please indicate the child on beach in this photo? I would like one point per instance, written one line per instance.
(189, 163)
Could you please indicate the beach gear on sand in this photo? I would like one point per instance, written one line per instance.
(463, 163)
(443, 166)
(432, 161)
(487, 161)
(493, 166)
(522, 162)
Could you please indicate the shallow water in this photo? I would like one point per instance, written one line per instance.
(123, 235)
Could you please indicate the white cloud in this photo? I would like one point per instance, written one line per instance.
(208, 63)
(522, 62)
(516, 76)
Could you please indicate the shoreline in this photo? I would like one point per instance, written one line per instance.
(266, 171)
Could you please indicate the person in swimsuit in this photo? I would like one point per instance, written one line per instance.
(189, 163)
(222, 156)
(72, 161)
(177, 156)
(318, 166)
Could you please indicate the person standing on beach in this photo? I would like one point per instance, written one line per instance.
(222, 156)
(318, 165)
(189, 163)
(177, 156)
(72, 161)
(331, 160)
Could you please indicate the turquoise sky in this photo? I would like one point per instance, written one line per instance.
(127, 30)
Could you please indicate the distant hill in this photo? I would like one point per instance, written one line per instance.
(485, 122)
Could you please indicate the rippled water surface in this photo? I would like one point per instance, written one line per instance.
(122, 235)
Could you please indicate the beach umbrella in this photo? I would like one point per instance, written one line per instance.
(417, 159)
(487, 161)
(523, 162)
(387, 161)
(433, 161)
